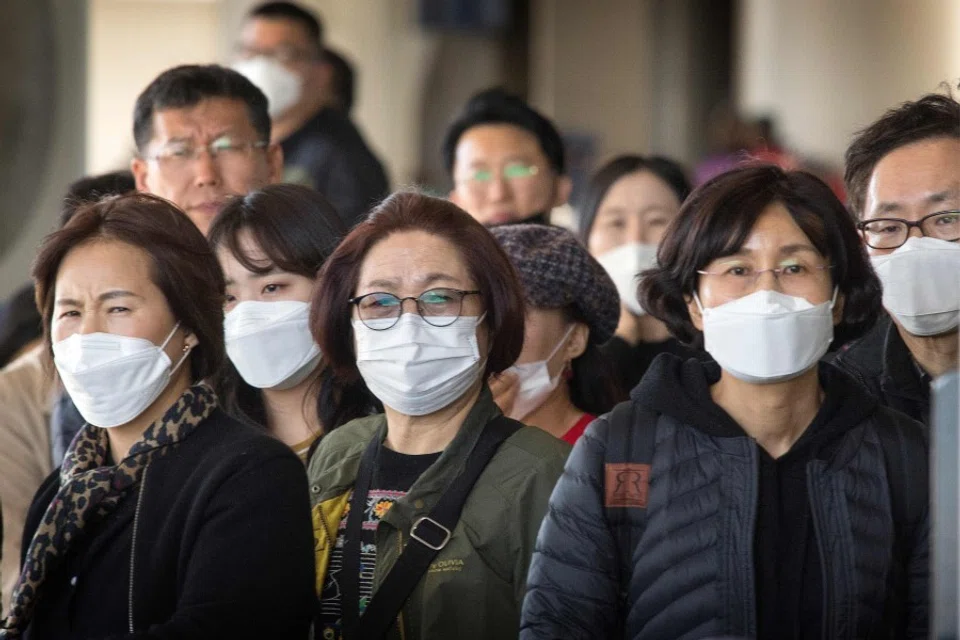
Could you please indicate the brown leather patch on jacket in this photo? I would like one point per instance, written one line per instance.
(626, 484)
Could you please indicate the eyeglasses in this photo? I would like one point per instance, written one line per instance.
(736, 279)
(891, 233)
(283, 54)
(439, 307)
(225, 151)
(511, 171)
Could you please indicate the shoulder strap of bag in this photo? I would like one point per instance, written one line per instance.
(428, 536)
(629, 456)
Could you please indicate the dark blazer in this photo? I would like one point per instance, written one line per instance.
(223, 548)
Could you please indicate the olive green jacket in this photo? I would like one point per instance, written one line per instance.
(475, 586)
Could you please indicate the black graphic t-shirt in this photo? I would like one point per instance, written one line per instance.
(395, 474)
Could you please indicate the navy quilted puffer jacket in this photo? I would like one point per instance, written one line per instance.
(693, 572)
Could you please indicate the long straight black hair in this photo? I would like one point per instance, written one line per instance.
(297, 229)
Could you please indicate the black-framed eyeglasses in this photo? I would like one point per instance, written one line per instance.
(891, 233)
(439, 307)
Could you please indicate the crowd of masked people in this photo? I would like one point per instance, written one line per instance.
(289, 408)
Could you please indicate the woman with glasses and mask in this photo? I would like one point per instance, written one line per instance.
(425, 516)
(561, 382)
(167, 519)
(766, 494)
(271, 244)
(624, 213)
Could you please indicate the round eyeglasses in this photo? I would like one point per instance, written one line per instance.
(891, 233)
(735, 279)
(439, 307)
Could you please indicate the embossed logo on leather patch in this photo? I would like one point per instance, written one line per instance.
(626, 484)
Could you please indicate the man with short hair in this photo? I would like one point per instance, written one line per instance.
(903, 180)
(281, 51)
(203, 134)
(506, 161)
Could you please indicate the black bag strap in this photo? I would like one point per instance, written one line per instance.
(428, 536)
(629, 455)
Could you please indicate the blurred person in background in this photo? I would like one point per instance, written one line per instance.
(167, 518)
(506, 161)
(281, 50)
(765, 494)
(20, 323)
(342, 81)
(271, 244)
(625, 210)
(903, 180)
(29, 396)
(425, 515)
(203, 134)
(561, 381)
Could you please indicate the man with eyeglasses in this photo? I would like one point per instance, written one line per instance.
(903, 183)
(281, 51)
(506, 161)
(203, 135)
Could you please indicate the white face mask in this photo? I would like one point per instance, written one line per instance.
(416, 368)
(111, 378)
(270, 343)
(535, 382)
(767, 336)
(921, 285)
(624, 265)
(282, 87)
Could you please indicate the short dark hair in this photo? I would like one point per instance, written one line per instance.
(93, 188)
(187, 86)
(293, 12)
(344, 79)
(183, 266)
(934, 115)
(496, 106)
(297, 229)
(489, 266)
(718, 217)
(671, 173)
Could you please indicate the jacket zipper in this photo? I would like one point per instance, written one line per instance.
(133, 548)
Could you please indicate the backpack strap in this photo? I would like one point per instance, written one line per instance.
(428, 536)
(631, 441)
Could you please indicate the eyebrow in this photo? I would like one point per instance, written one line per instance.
(426, 280)
(787, 250)
(933, 198)
(103, 297)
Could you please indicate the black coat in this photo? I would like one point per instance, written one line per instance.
(882, 363)
(694, 571)
(223, 548)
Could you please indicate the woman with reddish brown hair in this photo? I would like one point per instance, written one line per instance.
(425, 516)
(167, 519)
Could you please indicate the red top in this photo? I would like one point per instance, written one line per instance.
(577, 430)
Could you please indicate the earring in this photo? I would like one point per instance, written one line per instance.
(186, 348)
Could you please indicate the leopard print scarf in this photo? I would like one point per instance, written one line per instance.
(89, 491)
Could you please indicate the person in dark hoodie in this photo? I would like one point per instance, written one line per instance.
(765, 495)
(506, 161)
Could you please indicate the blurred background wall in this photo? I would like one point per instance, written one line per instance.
(649, 76)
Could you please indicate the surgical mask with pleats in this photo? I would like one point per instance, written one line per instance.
(282, 87)
(112, 379)
(270, 343)
(416, 368)
(535, 382)
(921, 285)
(767, 336)
(624, 264)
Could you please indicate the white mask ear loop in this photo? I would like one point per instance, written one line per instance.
(186, 349)
(563, 340)
(833, 301)
(696, 299)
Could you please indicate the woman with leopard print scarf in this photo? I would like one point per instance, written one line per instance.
(167, 519)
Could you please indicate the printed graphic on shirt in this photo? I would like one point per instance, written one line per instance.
(379, 502)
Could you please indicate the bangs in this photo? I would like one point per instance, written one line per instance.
(274, 253)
